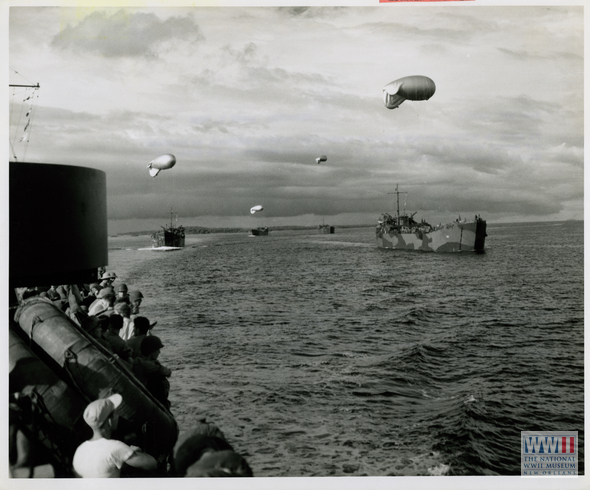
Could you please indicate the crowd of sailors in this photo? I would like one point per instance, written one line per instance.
(111, 315)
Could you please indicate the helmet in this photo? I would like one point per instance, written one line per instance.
(109, 275)
(122, 288)
(150, 344)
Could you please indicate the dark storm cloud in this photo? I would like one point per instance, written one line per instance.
(124, 34)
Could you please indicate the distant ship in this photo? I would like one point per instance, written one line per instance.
(170, 238)
(260, 231)
(402, 232)
(326, 229)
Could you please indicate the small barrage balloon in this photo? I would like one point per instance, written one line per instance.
(323, 158)
(163, 162)
(255, 209)
(416, 87)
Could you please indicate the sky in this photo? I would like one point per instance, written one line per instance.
(247, 98)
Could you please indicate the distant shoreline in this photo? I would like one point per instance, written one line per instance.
(203, 230)
(199, 230)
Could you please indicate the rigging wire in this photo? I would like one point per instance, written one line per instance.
(29, 126)
(20, 75)
(30, 112)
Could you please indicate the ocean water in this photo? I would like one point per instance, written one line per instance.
(322, 355)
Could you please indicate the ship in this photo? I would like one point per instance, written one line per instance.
(403, 232)
(170, 238)
(260, 231)
(55, 366)
(56, 369)
(326, 229)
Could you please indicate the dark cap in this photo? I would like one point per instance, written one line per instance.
(150, 344)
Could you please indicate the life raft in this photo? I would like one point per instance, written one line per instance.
(45, 409)
(94, 373)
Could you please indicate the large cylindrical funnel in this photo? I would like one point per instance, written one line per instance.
(58, 224)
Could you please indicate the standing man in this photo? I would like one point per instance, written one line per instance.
(135, 297)
(101, 456)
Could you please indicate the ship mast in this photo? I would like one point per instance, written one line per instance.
(397, 194)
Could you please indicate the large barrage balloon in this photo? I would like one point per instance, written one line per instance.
(323, 158)
(163, 162)
(255, 209)
(416, 87)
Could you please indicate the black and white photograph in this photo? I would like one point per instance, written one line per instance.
(312, 245)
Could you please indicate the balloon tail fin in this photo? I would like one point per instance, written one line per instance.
(392, 101)
(154, 171)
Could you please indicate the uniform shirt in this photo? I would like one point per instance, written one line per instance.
(135, 344)
(127, 330)
(146, 370)
(102, 458)
(118, 345)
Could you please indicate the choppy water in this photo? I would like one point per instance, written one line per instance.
(321, 355)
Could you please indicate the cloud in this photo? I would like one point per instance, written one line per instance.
(246, 99)
(125, 34)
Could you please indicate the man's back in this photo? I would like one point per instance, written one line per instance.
(101, 458)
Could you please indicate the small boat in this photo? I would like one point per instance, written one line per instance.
(76, 357)
(402, 232)
(170, 238)
(326, 229)
(260, 231)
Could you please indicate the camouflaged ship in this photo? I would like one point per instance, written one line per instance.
(404, 233)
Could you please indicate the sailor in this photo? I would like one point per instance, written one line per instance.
(141, 329)
(104, 302)
(124, 310)
(62, 302)
(107, 279)
(118, 345)
(225, 463)
(101, 456)
(150, 372)
(95, 327)
(52, 294)
(93, 290)
(135, 297)
(122, 292)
